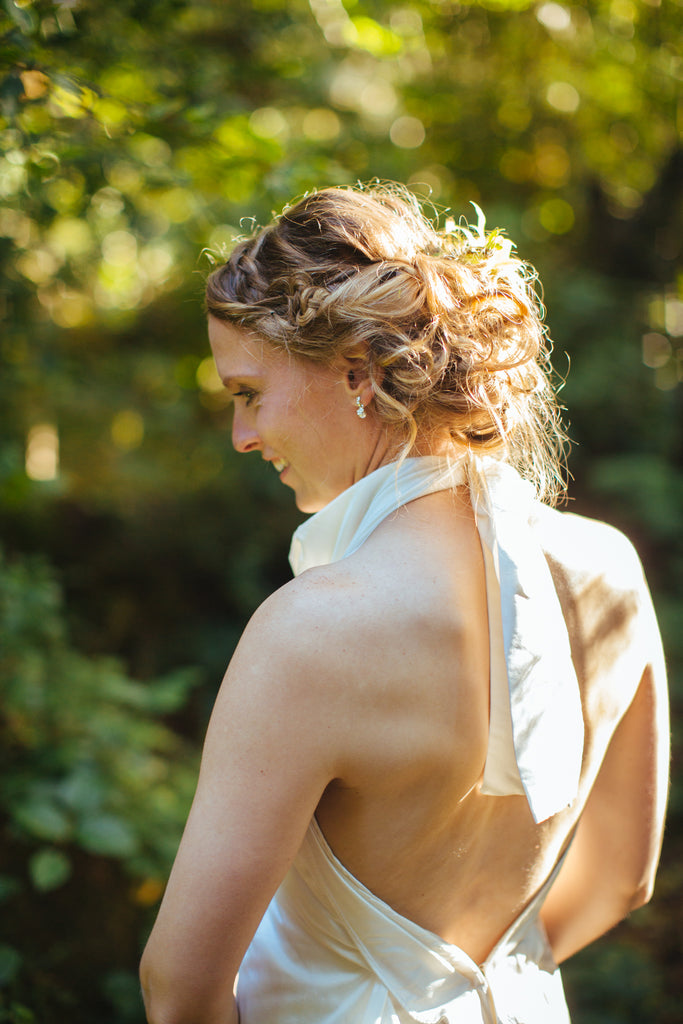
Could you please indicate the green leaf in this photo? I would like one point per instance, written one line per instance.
(82, 790)
(49, 868)
(107, 836)
(43, 819)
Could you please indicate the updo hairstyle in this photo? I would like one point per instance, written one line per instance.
(445, 320)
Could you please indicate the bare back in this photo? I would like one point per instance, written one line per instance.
(407, 817)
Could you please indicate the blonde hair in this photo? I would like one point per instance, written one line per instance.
(446, 320)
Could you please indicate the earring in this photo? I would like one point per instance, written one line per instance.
(360, 408)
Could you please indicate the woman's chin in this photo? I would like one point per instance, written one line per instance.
(307, 506)
(309, 503)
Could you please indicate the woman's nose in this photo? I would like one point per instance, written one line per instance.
(244, 437)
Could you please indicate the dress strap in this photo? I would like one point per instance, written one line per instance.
(536, 722)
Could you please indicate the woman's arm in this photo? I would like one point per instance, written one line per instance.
(268, 756)
(610, 867)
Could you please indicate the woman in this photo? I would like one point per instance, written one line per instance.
(437, 764)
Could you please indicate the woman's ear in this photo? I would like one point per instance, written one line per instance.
(356, 366)
(355, 374)
(357, 380)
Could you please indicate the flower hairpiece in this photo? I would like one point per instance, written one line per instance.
(474, 239)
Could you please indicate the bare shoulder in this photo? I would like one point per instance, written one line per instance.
(597, 571)
(588, 547)
(282, 702)
(607, 606)
(288, 639)
(384, 650)
(313, 640)
(328, 627)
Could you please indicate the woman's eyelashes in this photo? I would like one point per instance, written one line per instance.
(246, 394)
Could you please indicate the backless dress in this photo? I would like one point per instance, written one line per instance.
(328, 951)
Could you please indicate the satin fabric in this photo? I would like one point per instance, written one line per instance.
(328, 951)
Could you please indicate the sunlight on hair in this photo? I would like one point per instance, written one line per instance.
(447, 318)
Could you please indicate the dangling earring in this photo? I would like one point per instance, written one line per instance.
(360, 408)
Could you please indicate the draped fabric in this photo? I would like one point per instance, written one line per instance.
(328, 951)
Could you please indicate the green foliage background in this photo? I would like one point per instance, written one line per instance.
(134, 135)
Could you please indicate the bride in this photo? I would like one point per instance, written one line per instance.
(437, 765)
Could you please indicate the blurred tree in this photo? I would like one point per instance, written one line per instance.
(94, 791)
(136, 136)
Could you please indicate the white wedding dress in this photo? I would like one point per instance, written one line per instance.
(328, 951)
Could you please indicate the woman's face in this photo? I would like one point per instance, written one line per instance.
(299, 415)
